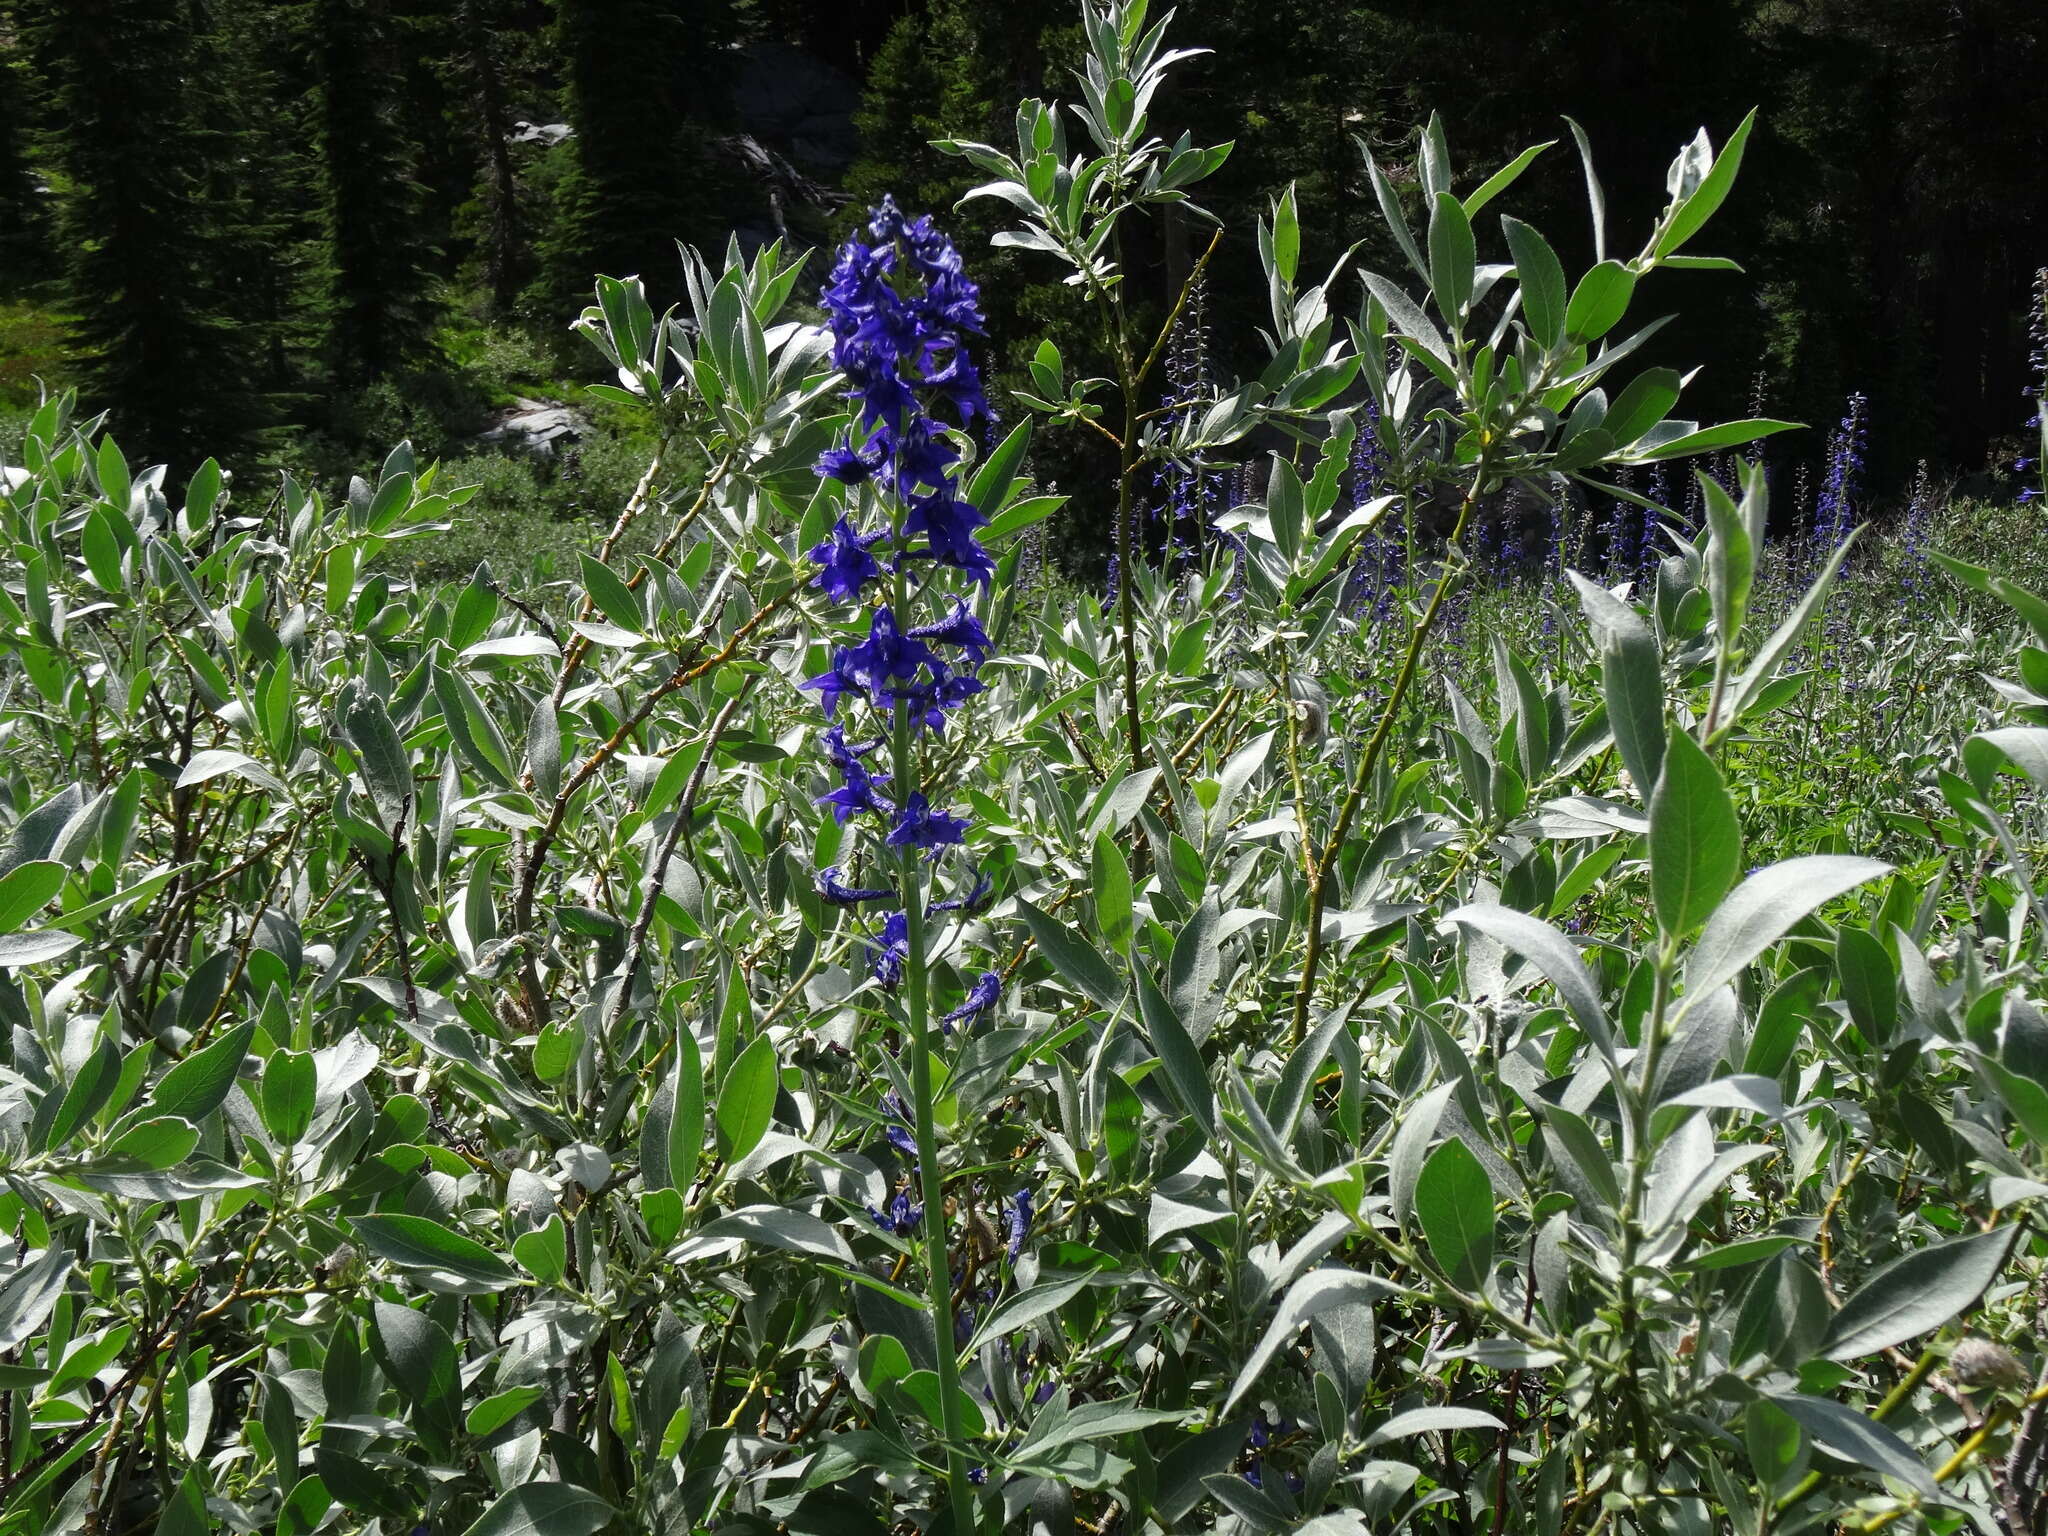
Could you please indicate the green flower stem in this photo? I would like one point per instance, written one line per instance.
(931, 1183)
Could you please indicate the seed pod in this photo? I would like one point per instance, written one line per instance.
(1978, 1362)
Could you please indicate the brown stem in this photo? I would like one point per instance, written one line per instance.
(686, 673)
(657, 869)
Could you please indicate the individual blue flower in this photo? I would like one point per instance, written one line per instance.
(901, 1218)
(856, 794)
(851, 465)
(841, 895)
(1017, 1221)
(844, 753)
(833, 683)
(977, 898)
(986, 992)
(961, 628)
(948, 525)
(844, 564)
(884, 661)
(919, 826)
(891, 951)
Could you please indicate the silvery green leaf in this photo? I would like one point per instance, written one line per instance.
(1426, 1421)
(1916, 1293)
(1759, 912)
(1316, 1292)
(1552, 954)
(30, 1294)
(1853, 1436)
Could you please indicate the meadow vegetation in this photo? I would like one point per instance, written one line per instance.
(1491, 984)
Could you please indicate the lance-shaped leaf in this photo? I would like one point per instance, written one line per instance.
(1762, 909)
(1915, 1293)
(1552, 954)
(380, 752)
(1695, 839)
(1317, 1292)
(1842, 1431)
(1632, 679)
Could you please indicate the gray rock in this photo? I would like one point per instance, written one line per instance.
(534, 426)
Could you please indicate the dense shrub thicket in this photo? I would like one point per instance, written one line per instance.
(807, 1026)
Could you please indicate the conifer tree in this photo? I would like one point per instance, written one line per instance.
(24, 223)
(151, 247)
(383, 309)
(644, 90)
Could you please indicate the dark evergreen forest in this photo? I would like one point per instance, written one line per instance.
(292, 229)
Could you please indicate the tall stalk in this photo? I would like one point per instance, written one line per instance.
(931, 1181)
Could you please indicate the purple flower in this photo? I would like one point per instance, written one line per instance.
(919, 826)
(844, 564)
(857, 794)
(901, 1218)
(1017, 1221)
(885, 659)
(986, 992)
(975, 900)
(948, 525)
(840, 895)
(844, 753)
(900, 310)
(888, 954)
(961, 628)
(832, 683)
(850, 465)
